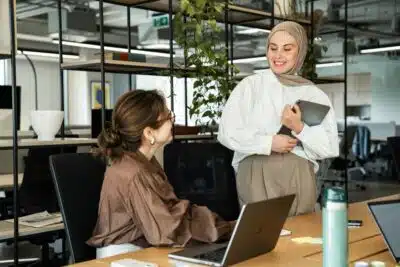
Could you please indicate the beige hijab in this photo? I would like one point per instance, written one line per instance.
(291, 78)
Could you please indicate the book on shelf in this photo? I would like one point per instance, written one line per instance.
(123, 56)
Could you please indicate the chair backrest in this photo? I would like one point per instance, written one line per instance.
(202, 173)
(351, 133)
(393, 143)
(37, 192)
(362, 143)
(78, 179)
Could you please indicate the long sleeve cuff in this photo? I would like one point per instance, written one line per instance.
(303, 134)
(266, 145)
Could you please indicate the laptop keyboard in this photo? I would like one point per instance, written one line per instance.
(214, 255)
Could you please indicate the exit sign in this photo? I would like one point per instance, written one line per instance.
(161, 21)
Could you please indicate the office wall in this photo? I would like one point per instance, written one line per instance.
(162, 84)
(47, 85)
(3, 72)
(5, 39)
(77, 90)
(121, 85)
(385, 84)
(79, 95)
(386, 92)
(358, 92)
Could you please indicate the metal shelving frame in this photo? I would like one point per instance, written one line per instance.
(345, 85)
(14, 127)
(234, 15)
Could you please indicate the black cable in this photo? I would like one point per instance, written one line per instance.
(35, 77)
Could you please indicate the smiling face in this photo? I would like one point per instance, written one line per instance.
(282, 52)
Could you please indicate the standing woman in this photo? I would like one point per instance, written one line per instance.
(268, 164)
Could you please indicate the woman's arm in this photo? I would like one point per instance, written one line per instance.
(235, 130)
(321, 141)
(166, 220)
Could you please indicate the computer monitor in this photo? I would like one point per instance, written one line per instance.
(6, 101)
(97, 121)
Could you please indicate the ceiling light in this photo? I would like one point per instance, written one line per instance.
(114, 49)
(319, 65)
(253, 31)
(155, 46)
(329, 64)
(249, 59)
(263, 58)
(380, 49)
(46, 54)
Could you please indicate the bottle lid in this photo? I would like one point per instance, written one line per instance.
(334, 194)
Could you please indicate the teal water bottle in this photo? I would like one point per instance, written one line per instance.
(334, 227)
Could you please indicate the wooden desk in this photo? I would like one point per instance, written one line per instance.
(7, 180)
(365, 243)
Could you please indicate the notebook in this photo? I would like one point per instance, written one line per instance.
(311, 114)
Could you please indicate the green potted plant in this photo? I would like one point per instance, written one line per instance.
(200, 37)
(315, 49)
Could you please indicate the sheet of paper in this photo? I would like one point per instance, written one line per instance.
(132, 263)
(307, 240)
(176, 263)
(285, 232)
(39, 219)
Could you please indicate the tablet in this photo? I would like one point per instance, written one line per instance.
(311, 114)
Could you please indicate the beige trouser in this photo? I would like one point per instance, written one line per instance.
(263, 177)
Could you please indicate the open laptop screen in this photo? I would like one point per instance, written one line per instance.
(387, 217)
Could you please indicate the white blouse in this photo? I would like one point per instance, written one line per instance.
(252, 116)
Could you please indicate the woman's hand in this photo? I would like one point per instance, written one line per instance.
(292, 119)
(283, 143)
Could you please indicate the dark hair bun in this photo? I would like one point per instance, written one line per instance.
(110, 138)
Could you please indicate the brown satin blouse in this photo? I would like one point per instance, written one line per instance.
(138, 206)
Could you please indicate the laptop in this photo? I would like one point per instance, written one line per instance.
(311, 114)
(387, 215)
(256, 232)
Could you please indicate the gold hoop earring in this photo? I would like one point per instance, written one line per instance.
(152, 141)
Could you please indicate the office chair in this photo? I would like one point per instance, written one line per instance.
(362, 145)
(78, 179)
(202, 173)
(37, 192)
(338, 165)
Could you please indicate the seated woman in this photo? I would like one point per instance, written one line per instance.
(138, 207)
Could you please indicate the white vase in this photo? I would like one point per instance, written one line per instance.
(46, 123)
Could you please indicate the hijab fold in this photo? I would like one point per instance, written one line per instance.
(291, 78)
